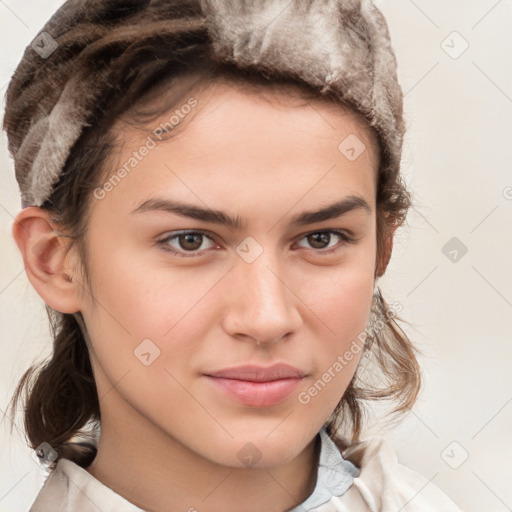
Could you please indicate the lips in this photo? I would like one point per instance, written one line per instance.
(257, 386)
(259, 373)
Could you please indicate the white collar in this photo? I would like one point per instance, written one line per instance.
(335, 475)
(71, 487)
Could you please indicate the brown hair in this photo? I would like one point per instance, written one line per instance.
(134, 54)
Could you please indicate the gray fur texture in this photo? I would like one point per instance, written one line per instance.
(341, 46)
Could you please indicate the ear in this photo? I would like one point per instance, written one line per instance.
(48, 267)
(387, 249)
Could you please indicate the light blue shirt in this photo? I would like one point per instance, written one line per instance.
(334, 477)
(374, 481)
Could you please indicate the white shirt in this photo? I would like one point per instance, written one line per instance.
(366, 477)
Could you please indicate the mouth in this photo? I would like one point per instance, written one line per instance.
(257, 386)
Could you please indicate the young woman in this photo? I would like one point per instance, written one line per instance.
(210, 191)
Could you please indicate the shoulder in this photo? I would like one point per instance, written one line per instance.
(385, 485)
(69, 488)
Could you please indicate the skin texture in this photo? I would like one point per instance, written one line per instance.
(171, 440)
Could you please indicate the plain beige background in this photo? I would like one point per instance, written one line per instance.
(456, 73)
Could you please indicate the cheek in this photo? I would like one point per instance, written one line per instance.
(337, 355)
(145, 325)
(341, 296)
(345, 307)
(150, 314)
(142, 294)
(341, 303)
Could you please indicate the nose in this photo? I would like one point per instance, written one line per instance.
(262, 306)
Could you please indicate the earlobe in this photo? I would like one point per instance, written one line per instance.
(45, 260)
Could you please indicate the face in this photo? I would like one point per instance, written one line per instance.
(222, 333)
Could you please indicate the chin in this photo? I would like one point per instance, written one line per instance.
(261, 446)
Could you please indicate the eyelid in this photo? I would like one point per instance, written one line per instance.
(175, 234)
(346, 237)
(347, 232)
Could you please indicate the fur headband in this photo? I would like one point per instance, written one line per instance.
(337, 46)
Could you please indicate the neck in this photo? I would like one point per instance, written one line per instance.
(157, 473)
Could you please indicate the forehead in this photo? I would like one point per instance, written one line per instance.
(243, 140)
(282, 96)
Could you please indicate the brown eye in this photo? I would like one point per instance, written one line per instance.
(186, 243)
(320, 242)
(190, 241)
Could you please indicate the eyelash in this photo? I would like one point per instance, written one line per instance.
(164, 242)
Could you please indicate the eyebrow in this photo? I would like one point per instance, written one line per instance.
(332, 211)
